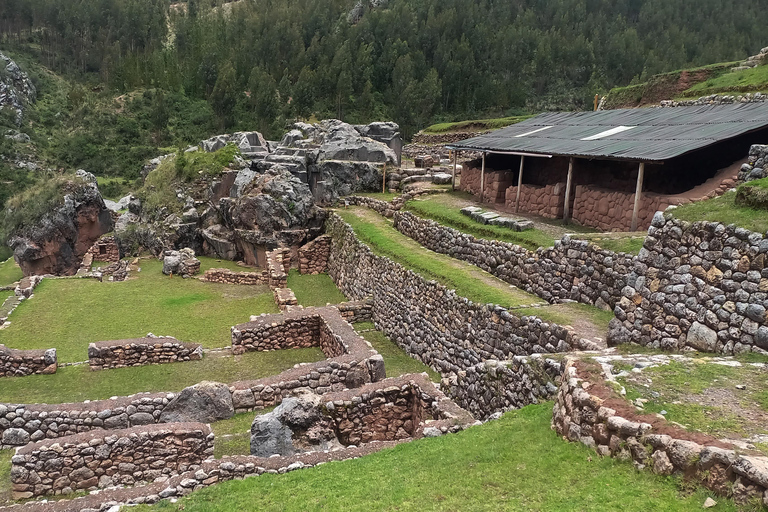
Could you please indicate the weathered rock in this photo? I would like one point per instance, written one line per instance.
(182, 263)
(702, 337)
(16, 89)
(205, 402)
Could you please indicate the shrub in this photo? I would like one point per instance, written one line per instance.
(753, 194)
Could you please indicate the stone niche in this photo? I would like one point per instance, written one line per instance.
(395, 409)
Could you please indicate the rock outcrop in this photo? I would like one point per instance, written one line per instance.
(205, 402)
(181, 263)
(16, 89)
(58, 242)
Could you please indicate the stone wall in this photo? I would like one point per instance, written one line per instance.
(547, 200)
(356, 310)
(18, 363)
(495, 184)
(285, 297)
(101, 459)
(278, 265)
(582, 414)
(313, 256)
(104, 249)
(223, 275)
(571, 269)
(702, 285)
(434, 324)
(493, 386)
(141, 351)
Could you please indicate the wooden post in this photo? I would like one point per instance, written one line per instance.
(453, 174)
(597, 101)
(482, 178)
(638, 195)
(566, 210)
(384, 179)
(519, 184)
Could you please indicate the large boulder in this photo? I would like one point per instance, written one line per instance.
(205, 402)
(297, 425)
(339, 178)
(181, 263)
(342, 141)
(16, 89)
(57, 243)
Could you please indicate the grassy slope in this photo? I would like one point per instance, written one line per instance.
(70, 313)
(437, 207)
(723, 209)
(385, 240)
(515, 463)
(314, 290)
(475, 124)
(78, 383)
(9, 272)
(747, 80)
(626, 245)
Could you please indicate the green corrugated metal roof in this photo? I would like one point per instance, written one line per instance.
(653, 134)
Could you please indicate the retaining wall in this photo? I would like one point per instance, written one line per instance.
(313, 256)
(101, 459)
(356, 310)
(545, 200)
(582, 415)
(18, 363)
(141, 351)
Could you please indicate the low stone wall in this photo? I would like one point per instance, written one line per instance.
(495, 183)
(383, 208)
(141, 351)
(547, 201)
(393, 409)
(498, 386)
(223, 275)
(313, 256)
(702, 285)
(430, 322)
(571, 269)
(356, 310)
(278, 265)
(284, 297)
(19, 363)
(582, 414)
(101, 459)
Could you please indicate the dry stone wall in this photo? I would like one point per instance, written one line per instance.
(223, 275)
(572, 269)
(313, 256)
(702, 285)
(101, 458)
(545, 200)
(580, 415)
(19, 363)
(356, 310)
(141, 351)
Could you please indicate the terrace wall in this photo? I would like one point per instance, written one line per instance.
(545, 200)
(141, 351)
(313, 256)
(99, 459)
(18, 363)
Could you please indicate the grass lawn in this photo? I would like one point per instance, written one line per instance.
(441, 208)
(476, 124)
(754, 79)
(70, 313)
(9, 272)
(468, 280)
(78, 383)
(314, 290)
(724, 209)
(6, 489)
(396, 361)
(515, 463)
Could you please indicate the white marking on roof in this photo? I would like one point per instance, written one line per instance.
(534, 131)
(608, 133)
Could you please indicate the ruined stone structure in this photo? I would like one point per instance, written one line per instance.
(313, 256)
(587, 412)
(275, 275)
(141, 351)
(356, 310)
(104, 249)
(101, 459)
(18, 363)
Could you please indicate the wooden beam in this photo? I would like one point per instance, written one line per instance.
(519, 184)
(566, 210)
(482, 179)
(638, 195)
(453, 174)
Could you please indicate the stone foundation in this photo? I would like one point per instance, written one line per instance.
(18, 363)
(586, 412)
(313, 256)
(140, 352)
(101, 459)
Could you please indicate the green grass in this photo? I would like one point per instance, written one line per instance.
(70, 313)
(385, 240)
(78, 383)
(724, 209)
(747, 80)
(396, 360)
(9, 272)
(515, 463)
(113, 188)
(564, 314)
(382, 196)
(314, 290)
(439, 208)
(476, 124)
(233, 436)
(625, 245)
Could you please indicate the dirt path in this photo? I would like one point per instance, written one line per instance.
(588, 321)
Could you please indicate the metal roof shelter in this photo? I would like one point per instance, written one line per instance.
(640, 135)
(643, 135)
